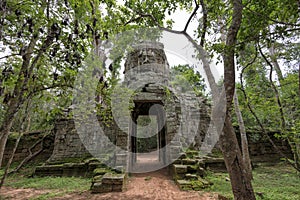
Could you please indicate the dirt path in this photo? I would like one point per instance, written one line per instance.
(149, 186)
(21, 194)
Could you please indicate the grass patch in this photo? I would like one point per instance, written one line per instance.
(57, 186)
(221, 185)
(270, 183)
(65, 183)
(279, 182)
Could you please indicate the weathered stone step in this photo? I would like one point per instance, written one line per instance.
(100, 171)
(108, 182)
(191, 177)
(67, 169)
(184, 184)
(97, 179)
(179, 171)
(215, 164)
(113, 179)
(196, 185)
(189, 161)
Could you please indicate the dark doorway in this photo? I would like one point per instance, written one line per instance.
(148, 133)
(147, 138)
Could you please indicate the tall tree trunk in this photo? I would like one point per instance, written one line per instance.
(240, 183)
(2, 147)
(21, 131)
(21, 86)
(13, 108)
(244, 140)
(10, 160)
(17, 98)
(299, 79)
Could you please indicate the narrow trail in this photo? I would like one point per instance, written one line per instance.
(147, 186)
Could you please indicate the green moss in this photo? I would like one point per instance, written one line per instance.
(91, 160)
(13, 136)
(113, 174)
(97, 179)
(100, 171)
(184, 185)
(216, 153)
(55, 166)
(70, 160)
(191, 153)
(197, 185)
(193, 168)
(176, 177)
(191, 177)
(186, 188)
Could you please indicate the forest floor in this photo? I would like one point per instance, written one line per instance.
(156, 185)
(271, 181)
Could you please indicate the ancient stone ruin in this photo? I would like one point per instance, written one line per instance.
(147, 73)
(180, 117)
(180, 120)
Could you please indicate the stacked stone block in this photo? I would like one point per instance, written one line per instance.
(190, 169)
(107, 181)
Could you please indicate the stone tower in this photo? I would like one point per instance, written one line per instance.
(177, 114)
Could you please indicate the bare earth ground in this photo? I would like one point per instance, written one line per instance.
(21, 194)
(148, 186)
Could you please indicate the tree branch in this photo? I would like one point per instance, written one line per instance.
(36, 131)
(247, 65)
(32, 155)
(267, 17)
(191, 16)
(155, 21)
(259, 37)
(47, 88)
(54, 30)
(11, 55)
(204, 10)
(275, 89)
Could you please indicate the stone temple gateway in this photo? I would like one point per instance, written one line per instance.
(177, 112)
(149, 90)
